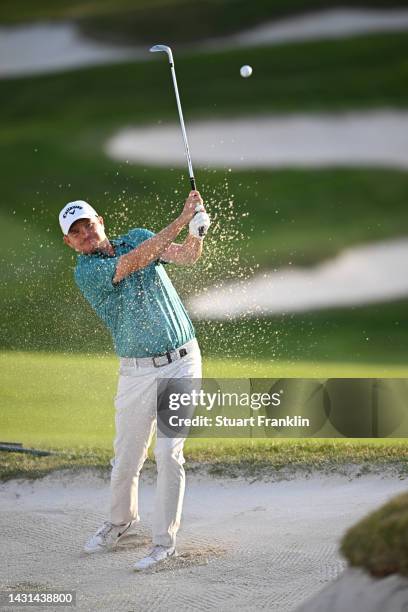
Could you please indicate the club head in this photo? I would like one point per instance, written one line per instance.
(165, 49)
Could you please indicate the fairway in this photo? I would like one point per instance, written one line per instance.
(66, 401)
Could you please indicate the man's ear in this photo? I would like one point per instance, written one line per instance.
(101, 219)
(67, 241)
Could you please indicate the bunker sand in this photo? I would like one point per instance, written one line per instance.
(243, 544)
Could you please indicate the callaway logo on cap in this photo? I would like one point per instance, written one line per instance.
(74, 211)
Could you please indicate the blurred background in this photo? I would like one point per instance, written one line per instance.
(303, 167)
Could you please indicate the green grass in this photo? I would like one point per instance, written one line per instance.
(375, 335)
(180, 22)
(296, 216)
(171, 20)
(53, 129)
(66, 401)
(379, 541)
(358, 73)
(274, 459)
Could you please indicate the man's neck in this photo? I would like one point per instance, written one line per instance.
(105, 248)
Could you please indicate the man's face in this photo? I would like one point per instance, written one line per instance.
(86, 235)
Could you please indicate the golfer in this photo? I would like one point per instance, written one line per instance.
(124, 281)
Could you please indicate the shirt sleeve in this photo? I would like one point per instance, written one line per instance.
(95, 277)
(139, 235)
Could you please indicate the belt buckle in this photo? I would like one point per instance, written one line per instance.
(160, 365)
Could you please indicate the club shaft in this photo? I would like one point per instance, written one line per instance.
(183, 129)
(166, 49)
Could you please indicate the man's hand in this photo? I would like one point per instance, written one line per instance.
(200, 222)
(154, 247)
(193, 203)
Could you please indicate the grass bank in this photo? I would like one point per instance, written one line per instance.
(270, 459)
(378, 542)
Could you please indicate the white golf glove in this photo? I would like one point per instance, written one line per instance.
(200, 220)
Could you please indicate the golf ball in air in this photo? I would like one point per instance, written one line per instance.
(245, 71)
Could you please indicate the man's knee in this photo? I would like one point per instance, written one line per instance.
(129, 463)
(166, 454)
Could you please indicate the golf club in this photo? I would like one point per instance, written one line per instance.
(167, 50)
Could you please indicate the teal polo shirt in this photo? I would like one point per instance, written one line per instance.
(143, 311)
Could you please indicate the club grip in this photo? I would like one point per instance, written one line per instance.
(201, 230)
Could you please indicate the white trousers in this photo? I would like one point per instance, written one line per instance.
(136, 421)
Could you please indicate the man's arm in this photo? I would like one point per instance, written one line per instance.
(152, 249)
(184, 254)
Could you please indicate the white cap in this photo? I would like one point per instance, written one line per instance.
(74, 211)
